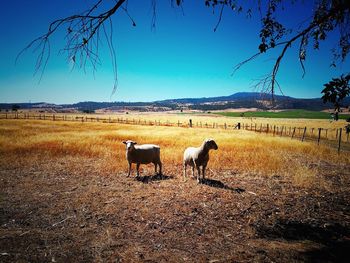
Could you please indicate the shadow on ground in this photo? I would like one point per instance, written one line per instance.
(156, 177)
(333, 239)
(219, 184)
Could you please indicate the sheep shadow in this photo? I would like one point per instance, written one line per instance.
(334, 244)
(151, 178)
(221, 185)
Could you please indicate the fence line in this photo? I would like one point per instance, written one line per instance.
(331, 137)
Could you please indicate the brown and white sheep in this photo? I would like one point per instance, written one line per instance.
(142, 154)
(198, 157)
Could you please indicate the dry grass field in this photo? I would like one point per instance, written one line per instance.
(199, 117)
(65, 197)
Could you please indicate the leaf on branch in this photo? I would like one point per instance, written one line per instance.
(263, 47)
(336, 90)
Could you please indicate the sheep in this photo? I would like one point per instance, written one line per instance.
(142, 154)
(197, 157)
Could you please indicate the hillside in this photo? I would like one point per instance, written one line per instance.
(238, 100)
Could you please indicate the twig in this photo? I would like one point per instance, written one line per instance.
(252, 193)
(26, 232)
(220, 16)
(110, 201)
(55, 224)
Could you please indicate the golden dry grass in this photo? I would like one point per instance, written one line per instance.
(239, 151)
(329, 128)
(203, 118)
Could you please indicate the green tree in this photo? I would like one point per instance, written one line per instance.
(336, 91)
(15, 107)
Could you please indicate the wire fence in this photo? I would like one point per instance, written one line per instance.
(333, 137)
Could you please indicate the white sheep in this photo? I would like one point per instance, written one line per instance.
(142, 154)
(199, 156)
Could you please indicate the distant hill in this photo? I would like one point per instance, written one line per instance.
(239, 96)
(252, 100)
(235, 101)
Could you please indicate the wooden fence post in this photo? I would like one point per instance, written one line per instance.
(339, 141)
(293, 133)
(336, 134)
(319, 136)
(302, 139)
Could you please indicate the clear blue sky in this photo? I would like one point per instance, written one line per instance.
(183, 57)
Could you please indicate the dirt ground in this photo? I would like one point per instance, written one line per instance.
(54, 212)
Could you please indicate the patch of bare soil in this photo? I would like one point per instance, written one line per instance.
(74, 211)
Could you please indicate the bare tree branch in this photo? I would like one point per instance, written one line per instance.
(154, 14)
(220, 16)
(303, 35)
(82, 38)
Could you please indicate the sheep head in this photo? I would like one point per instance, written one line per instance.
(211, 144)
(129, 144)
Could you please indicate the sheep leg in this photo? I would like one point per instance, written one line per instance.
(160, 168)
(155, 167)
(137, 169)
(184, 168)
(193, 165)
(129, 170)
(199, 174)
(203, 171)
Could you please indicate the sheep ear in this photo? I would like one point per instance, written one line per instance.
(135, 142)
(124, 142)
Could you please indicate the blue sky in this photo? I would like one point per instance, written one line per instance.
(183, 57)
